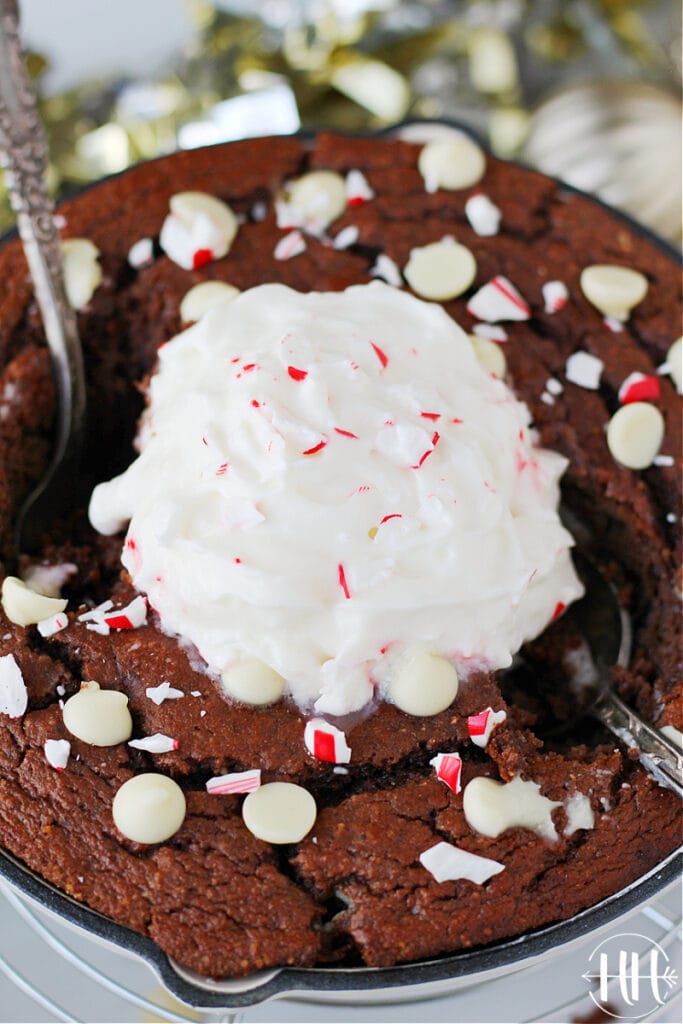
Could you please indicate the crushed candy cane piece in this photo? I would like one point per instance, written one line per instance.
(663, 460)
(484, 216)
(639, 387)
(99, 717)
(553, 386)
(482, 725)
(199, 228)
(424, 685)
(57, 753)
(156, 744)
(584, 370)
(386, 269)
(498, 300)
(94, 614)
(451, 163)
(613, 324)
(149, 808)
(613, 290)
(494, 332)
(293, 244)
(447, 863)
(53, 624)
(555, 296)
(635, 434)
(205, 296)
(279, 812)
(25, 607)
(141, 253)
(448, 768)
(164, 691)
(326, 742)
(82, 271)
(441, 270)
(358, 188)
(234, 782)
(492, 808)
(347, 237)
(130, 617)
(13, 692)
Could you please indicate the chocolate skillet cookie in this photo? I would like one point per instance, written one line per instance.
(283, 716)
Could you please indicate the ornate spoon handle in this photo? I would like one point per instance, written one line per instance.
(23, 155)
(658, 755)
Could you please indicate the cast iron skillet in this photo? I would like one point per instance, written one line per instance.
(344, 984)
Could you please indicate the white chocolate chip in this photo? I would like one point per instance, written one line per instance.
(492, 807)
(253, 682)
(315, 200)
(674, 359)
(82, 271)
(441, 270)
(424, 685)
(451, 163)
(635, 434)
(198, 222)
(99, 717)
(13, 692)
(149, 808)
(279, 812)
(446, 863)
(203, 297)
(612, 289)
(24, 607)
(57, 753)
(492, 61)
(490, 355)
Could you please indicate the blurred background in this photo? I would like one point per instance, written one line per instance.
(589, 90)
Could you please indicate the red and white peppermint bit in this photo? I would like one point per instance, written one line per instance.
(386, 269)
(557, 611)
(347, 237)
(234, 782)
(141, 253)
(164, 691)
(57, 753)
(296, 374)
(447, 863)
(293, 244)
(316, 448)
(156, 744)
(13, 692)
(326, 742)
(663, 460)
(53, 624)
(639, 387)
(382, 356)
(483, 215)
(436, 437)
(358, 189)
(448, 768)
(342, 581)
(482, 725)
(345, 433)
(584, 370)
(498, 300)
(494, 332)
(130, 617)
(97, 613)
(555, 296)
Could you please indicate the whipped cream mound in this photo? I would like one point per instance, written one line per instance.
(330, 483)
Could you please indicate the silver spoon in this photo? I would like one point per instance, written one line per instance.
(599, 618)
(23, 155)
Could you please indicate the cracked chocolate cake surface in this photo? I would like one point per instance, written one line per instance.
(354, 891)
